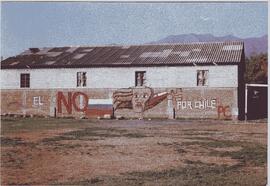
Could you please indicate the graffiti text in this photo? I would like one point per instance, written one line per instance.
(202, 104)
(224, 111)
(37, 101)
(71, 101)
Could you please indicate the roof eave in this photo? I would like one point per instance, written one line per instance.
(116, 65)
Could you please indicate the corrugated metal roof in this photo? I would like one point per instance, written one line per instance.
(133, 55)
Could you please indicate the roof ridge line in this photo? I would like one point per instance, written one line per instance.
(145, 44)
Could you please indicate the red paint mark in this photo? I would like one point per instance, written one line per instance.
(68, 104)
(75, 95)
(224, 111)
(155, 100)
(98, 112)
(71, 100)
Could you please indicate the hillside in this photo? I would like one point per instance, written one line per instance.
(253, 45)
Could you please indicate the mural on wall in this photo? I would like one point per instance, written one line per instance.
(100, 107)
(138, 99)
(79, 102)
(197, 104)
(170, 103)
(122, 99)
(25, 106)
(37, 101)
(224, 112)
(70, 102)
(141, 99)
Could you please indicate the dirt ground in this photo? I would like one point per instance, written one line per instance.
(37, 151)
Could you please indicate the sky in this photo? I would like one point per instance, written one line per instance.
(49, 24)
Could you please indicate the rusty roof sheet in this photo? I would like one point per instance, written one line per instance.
(229, 52)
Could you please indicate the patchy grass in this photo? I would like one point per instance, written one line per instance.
(12, 159)
(193, 132)
(94, 133)
(15, 142)
(11, 141)
(197, 173)
(135, 135)
(11, 125)
(199, 131)
(97, 152)
(177, 146)
(250, 152)
(211, 143)
(92, 181)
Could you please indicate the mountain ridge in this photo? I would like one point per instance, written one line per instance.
(253, 45)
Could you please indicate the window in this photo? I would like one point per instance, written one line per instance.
(140, 78)
(202, 77)
(81, 79)
(25, 80)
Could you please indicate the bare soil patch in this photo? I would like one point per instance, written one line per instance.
(132, 152)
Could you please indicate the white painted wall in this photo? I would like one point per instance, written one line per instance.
(183, 76)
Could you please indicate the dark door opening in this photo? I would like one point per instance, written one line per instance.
(256, 102)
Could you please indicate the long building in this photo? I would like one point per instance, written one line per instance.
(195, 80)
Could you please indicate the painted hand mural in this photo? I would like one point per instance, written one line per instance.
(137, 98)
(167, 103)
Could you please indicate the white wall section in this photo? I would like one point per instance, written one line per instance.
(120, 77)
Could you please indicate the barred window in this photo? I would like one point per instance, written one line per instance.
(25, 81)
(202, 77)
(81, 79)
(140, 78)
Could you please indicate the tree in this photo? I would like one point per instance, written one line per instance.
(256, 69)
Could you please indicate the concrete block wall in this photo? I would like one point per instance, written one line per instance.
(217, 103)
